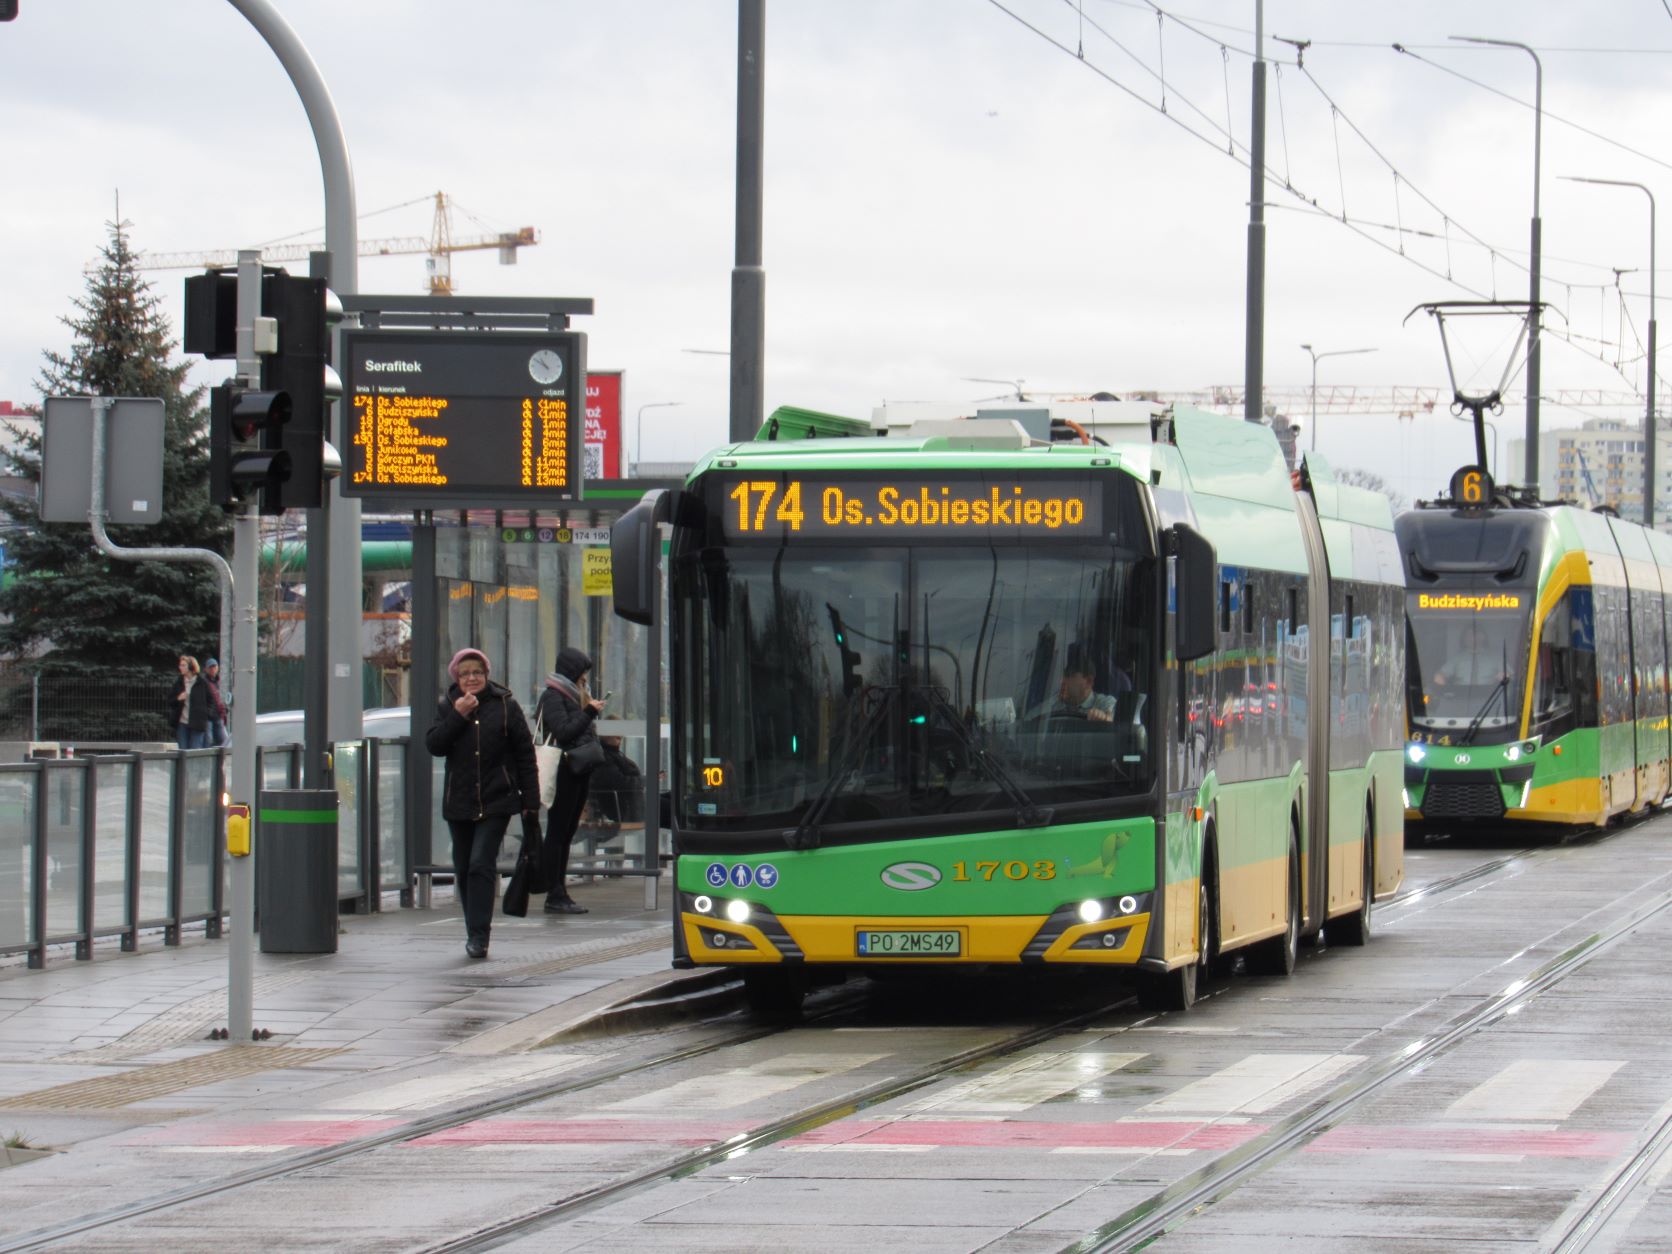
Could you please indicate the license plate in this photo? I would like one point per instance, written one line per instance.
(911, 944)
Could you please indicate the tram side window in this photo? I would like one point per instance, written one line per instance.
(1564, 686)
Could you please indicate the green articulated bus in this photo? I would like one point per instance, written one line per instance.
(960, 695)
(1536, 684)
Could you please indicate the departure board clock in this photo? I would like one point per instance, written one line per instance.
(463, 418)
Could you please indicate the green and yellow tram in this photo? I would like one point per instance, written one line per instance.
(1537, 663)
(958, 696)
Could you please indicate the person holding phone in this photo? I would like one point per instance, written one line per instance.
(566, 712)
(481, 731)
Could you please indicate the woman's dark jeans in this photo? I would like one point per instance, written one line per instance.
(476, 869)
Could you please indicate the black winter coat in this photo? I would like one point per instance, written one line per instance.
(490, 756)
(566, 724)
(198, 705)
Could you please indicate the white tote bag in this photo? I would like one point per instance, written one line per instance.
(546, 760)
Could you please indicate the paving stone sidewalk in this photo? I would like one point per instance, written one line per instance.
(92, 1048)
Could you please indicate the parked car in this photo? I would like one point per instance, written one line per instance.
(284, 727)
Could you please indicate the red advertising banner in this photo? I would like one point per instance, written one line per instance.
(603, 424)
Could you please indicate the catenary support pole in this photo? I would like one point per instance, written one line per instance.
(1254, 345)
(748, 329)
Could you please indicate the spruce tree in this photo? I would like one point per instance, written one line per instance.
(105, 634)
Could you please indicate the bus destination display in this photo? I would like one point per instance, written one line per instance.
(459, 418)
(798, 506)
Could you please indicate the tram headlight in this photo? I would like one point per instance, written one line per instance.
(704, 904)
(737, 911)
(1091, 911)
(1416, 753)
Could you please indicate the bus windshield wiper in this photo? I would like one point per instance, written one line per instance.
(1501, 688)
(1028, 813)
(805, 834)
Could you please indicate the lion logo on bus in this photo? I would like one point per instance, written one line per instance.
(911, 877)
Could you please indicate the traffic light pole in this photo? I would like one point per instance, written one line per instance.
(246, 549)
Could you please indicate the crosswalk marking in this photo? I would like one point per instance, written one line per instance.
(742, 1085)
(1258, 1083)
(1024, 1083)
(1535, 1089)
(482, 1076)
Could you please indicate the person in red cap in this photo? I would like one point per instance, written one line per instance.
(480, 729)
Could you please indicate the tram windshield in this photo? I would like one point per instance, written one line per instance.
(1465, 665)
(909, 689)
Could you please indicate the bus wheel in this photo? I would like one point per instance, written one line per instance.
(1277, 955)
(1354, 929)
(774, 991)
(1176, 989)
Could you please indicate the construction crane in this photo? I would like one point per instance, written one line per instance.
(440, 247)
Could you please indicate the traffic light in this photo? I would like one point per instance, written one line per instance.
(244, 446)
(851, 659)
(271, 438)
(300, 367)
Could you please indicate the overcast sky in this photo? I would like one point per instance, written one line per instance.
(949, 192)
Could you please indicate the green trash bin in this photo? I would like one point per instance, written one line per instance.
(296, 871)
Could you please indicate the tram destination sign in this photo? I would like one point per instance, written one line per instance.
(819, 506)
(461, 418)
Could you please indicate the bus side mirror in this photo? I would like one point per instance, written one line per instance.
(635, 546)
(1196, 577)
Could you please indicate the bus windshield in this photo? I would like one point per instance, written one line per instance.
(901, 687)
(1465, 666)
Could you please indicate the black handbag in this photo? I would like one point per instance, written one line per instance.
(585, 757)
(527, 879)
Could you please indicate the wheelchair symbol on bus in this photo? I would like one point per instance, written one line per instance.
(716, 875)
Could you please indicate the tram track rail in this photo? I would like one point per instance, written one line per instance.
(1168, 1209)
(1605, 1216)
(835, 1004)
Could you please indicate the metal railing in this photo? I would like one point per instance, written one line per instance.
(118, 843)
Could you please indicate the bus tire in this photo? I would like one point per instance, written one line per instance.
(1276, 956)
(774, 991)
(1176, 989)
(1354, 928)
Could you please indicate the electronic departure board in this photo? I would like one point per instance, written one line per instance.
(440, 418)
(819, 506)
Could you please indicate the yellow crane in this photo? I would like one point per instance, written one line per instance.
(440, 247)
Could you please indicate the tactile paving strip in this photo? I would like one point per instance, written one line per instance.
(126, 1087)
(189, 1021)
(584, 955)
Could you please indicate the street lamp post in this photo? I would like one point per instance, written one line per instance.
(1316, 356)
(1533, 266)
(1649, 411)
(638, 436)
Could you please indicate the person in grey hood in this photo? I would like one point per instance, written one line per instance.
(566, 713)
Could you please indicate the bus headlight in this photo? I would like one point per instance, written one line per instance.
(1512, 754)
(1416, 753)
(1091, 911)
(704, 905)
(737, 911)
(1128, 904)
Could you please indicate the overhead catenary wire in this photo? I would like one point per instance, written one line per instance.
(1402, 231)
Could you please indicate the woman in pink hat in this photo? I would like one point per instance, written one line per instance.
(480, 729)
